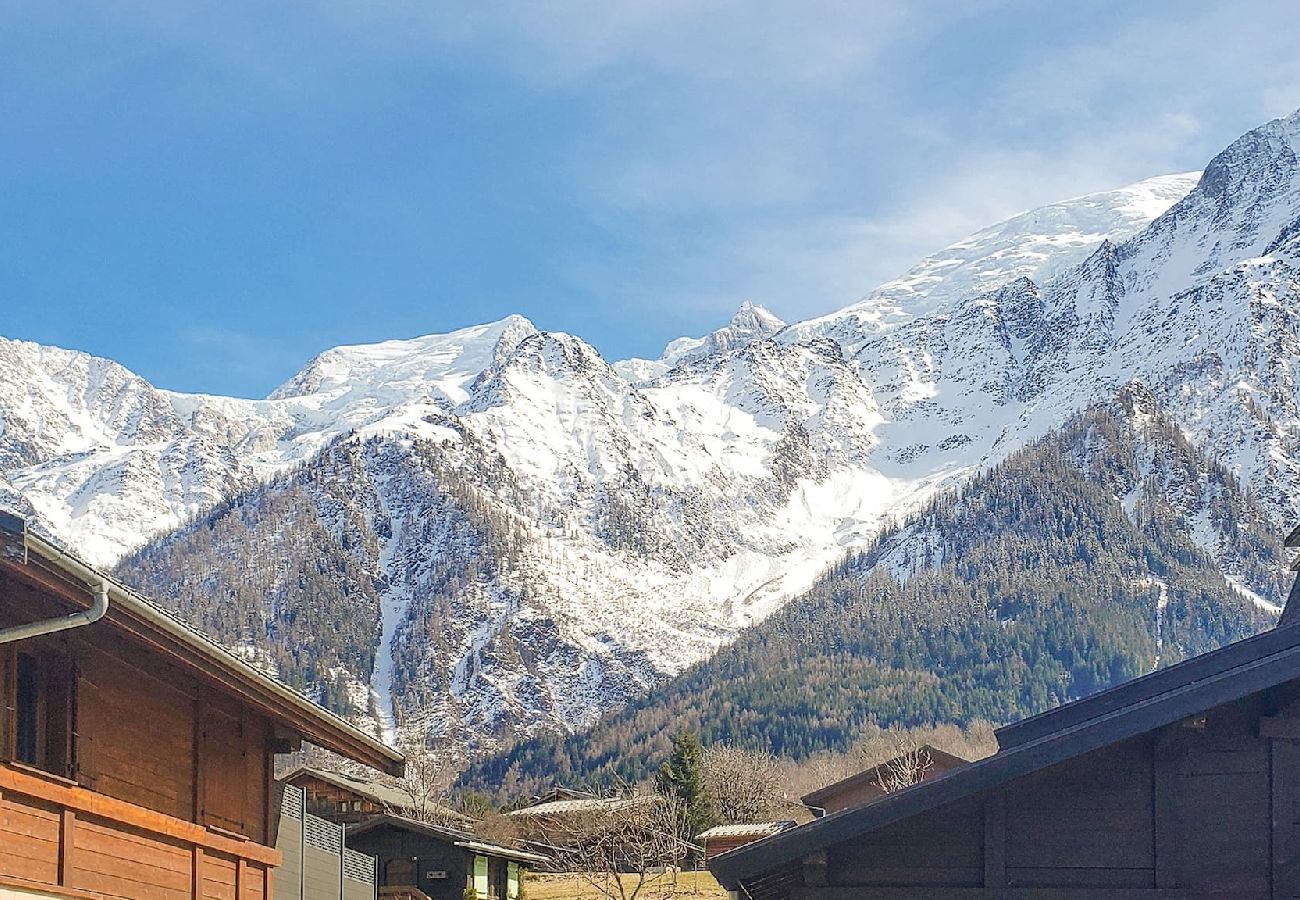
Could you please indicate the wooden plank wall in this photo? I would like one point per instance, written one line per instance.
(1209, 806)
(1222, 803)
(941, 848)
(46, 846)
(148, 734)
(1089, 824)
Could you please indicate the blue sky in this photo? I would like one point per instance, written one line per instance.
(212, 193)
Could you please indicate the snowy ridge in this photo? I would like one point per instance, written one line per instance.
(620, 522)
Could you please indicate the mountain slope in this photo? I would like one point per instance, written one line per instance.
(1076, 563)
(1036, 245)
(546, 535)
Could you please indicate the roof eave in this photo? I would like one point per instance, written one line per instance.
(286, 705)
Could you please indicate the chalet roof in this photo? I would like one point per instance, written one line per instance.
(940, 757)
(453, 836)
(1123, 712)
(562, 793)
(75, 580)
(754, 829)
(571, 807)
(385, 794)
(388, 795)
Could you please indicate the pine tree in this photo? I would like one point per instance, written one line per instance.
(682, 776)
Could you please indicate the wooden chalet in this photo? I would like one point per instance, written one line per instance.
(420, 861)
(722, 839)
(136, 755)
(1182, 784)
(344, 798)
(863, 787)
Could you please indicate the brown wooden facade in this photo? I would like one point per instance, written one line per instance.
(725, 838)
(329, 796)
(863, 787)
(1182, 784)
(135, 759)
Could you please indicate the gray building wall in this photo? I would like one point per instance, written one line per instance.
(317, 864)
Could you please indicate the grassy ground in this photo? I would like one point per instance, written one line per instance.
(689, 886)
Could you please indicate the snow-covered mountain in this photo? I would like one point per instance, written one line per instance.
(543, 534)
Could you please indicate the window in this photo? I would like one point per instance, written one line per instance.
(43, 712)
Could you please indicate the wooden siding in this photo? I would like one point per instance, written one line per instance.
(1207, 807)
(911, 853)
(53, 848)
(126, 816)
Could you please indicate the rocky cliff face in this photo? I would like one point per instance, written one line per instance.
(529, 535)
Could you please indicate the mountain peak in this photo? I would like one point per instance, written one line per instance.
(758, 319)
(446, 362)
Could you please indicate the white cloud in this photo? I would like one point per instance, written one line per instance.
(800, 152)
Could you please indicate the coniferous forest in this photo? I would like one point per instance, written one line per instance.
(1079, 562)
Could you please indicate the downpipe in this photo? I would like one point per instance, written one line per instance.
(63, 623)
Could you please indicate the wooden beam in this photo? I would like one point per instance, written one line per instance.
(995, 840)
(1164, 788)
(67, 830)
(196, 873)
(1284, 757)
(196, 752)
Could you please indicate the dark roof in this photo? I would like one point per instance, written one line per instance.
(453, 836)
(1123, 712)
(943, 758)
(389, 795)
(1143, 688)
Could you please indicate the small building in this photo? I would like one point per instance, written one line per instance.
(417, 860)
(136, 755)
(345, 798)
(925, 762)
(553, 825)
(1184, 783)
(723, 838)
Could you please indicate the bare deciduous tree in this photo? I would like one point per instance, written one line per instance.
(622, 845)
(428, 783)
(743, 785)
(906, 767)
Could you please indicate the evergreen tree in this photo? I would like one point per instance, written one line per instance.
(682, 776)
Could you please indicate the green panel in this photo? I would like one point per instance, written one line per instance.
(481, 876)
(512, 881)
